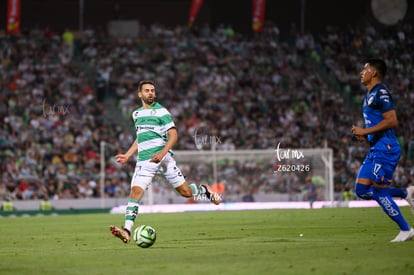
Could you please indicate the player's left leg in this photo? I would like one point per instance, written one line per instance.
(176, 178)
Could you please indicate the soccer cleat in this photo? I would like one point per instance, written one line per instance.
(404, 236)
(410, 197)
(211, 195)
(120, 233)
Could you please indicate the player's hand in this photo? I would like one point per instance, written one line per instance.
(121, 158)
(357, 131)
(157, 157)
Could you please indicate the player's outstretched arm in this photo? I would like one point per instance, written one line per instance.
(123, 158)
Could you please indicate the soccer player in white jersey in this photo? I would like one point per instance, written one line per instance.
(156, 136)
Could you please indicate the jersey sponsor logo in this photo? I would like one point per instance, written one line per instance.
(144, 128)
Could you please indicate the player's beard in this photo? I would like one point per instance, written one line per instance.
(148, 100)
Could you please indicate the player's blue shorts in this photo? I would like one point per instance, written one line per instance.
(379, 165)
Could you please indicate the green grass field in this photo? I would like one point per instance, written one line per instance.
(334, 241)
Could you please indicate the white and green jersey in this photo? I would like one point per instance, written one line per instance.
(151, 126)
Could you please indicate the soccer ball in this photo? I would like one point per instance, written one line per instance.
(144, 236)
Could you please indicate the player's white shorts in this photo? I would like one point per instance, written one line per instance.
(146, 170)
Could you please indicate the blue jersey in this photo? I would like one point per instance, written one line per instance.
(377, 102)
(380, 163)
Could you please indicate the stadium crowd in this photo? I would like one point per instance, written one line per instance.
(250, 92)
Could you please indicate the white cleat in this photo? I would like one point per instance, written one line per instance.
(404, 236)
(410, 197)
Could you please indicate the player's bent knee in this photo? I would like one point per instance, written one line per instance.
(363, 191)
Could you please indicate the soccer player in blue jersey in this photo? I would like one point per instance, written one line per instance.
(375, 174)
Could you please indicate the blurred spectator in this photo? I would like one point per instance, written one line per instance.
(68, 44)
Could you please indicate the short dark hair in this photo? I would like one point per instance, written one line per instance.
(379, 65)
(142, 82)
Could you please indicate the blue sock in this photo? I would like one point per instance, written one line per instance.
(398, 193)
(388, 205)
